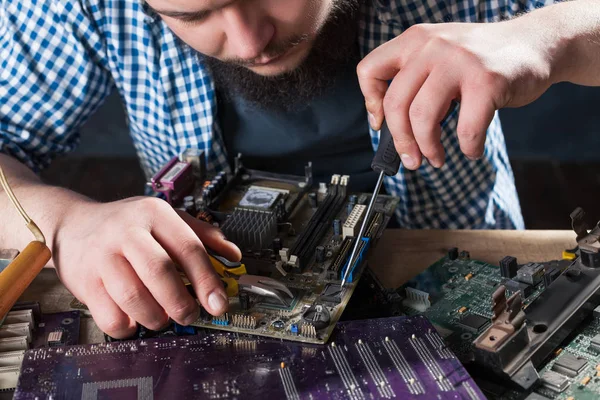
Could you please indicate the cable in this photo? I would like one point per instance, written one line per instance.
(35, 230)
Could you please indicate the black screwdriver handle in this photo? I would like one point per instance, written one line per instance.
(387, 158)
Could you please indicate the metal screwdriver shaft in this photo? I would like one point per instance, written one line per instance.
(386, 162)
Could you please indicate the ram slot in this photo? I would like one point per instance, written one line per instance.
(322, 228)
(314, 225)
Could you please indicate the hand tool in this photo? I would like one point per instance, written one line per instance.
(386, 162)
(235, 277)
(21, 271)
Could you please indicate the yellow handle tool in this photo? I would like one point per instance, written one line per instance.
(17, 276)
(228, 272)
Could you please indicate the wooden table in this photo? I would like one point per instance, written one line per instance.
(399, 256)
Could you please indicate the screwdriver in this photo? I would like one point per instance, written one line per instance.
(386, 162)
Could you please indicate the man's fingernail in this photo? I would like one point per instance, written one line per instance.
(474, 158)
(372, 121)
(408, 161)
(217, 302)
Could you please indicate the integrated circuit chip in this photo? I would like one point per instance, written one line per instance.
(595, 343)
(569, 365)
(555, 381)
(259, 198)
(473, 322)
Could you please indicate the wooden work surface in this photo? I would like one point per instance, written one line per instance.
(400, 255)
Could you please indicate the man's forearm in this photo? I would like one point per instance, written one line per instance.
(575, 27)
(46, 205)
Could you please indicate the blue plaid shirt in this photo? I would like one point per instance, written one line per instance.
(59, 60)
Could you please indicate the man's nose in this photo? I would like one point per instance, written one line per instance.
(248, 30)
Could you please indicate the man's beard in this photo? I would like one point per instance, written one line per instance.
(334, 46)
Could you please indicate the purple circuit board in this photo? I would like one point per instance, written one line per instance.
(370, 359)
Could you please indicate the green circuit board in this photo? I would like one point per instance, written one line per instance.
(459, 292)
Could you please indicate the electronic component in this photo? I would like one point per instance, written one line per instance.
(586, 380)
(197, 159)
(464, 255)
(555, 381)
(531, 273)
(416, 299)
(383, 358)
(244, 299)
(468, 276)
(595, 343)
(337, 227)
(320, 254)
(550, 275)
(317, 315)
(259, 198)
(514, 287)
(508, 267)
(251, 229)
(473, 322)
(569, 365)
(55, 338)
(462, 310)
(453, 253)
(351, 225)
(175, 180)
(332, 294)
(313, 200)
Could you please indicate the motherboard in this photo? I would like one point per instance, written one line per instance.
(295, 237)
(369, 359)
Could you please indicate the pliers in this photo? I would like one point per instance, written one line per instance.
(236, 278)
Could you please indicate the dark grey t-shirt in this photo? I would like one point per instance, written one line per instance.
(332, 132)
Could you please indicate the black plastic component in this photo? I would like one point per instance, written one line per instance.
(550, 276)
(508, 267)
(453, 253)
(473, 322)
(318, 315)
(277, 245)
(244, 298)
(515, 286)
(320, 254)
(312, 200)
(386, 158)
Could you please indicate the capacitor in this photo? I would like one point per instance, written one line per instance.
(312, 200)
(353, 199)
(212, 190)
(244, 298)
(320, 254)
(350, 208)
(277, 245)
(337, 227)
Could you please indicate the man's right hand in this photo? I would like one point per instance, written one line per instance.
(121, 258)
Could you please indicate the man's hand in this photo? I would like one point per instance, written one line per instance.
(120, 260)
(484, 67)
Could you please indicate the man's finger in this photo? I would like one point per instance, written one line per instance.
(396, 104)
(476, 114)
(212, 237)
(126, 289)
(427, 110)
(188, 251)
(108, 315)
(158, 273)
(376, 70)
